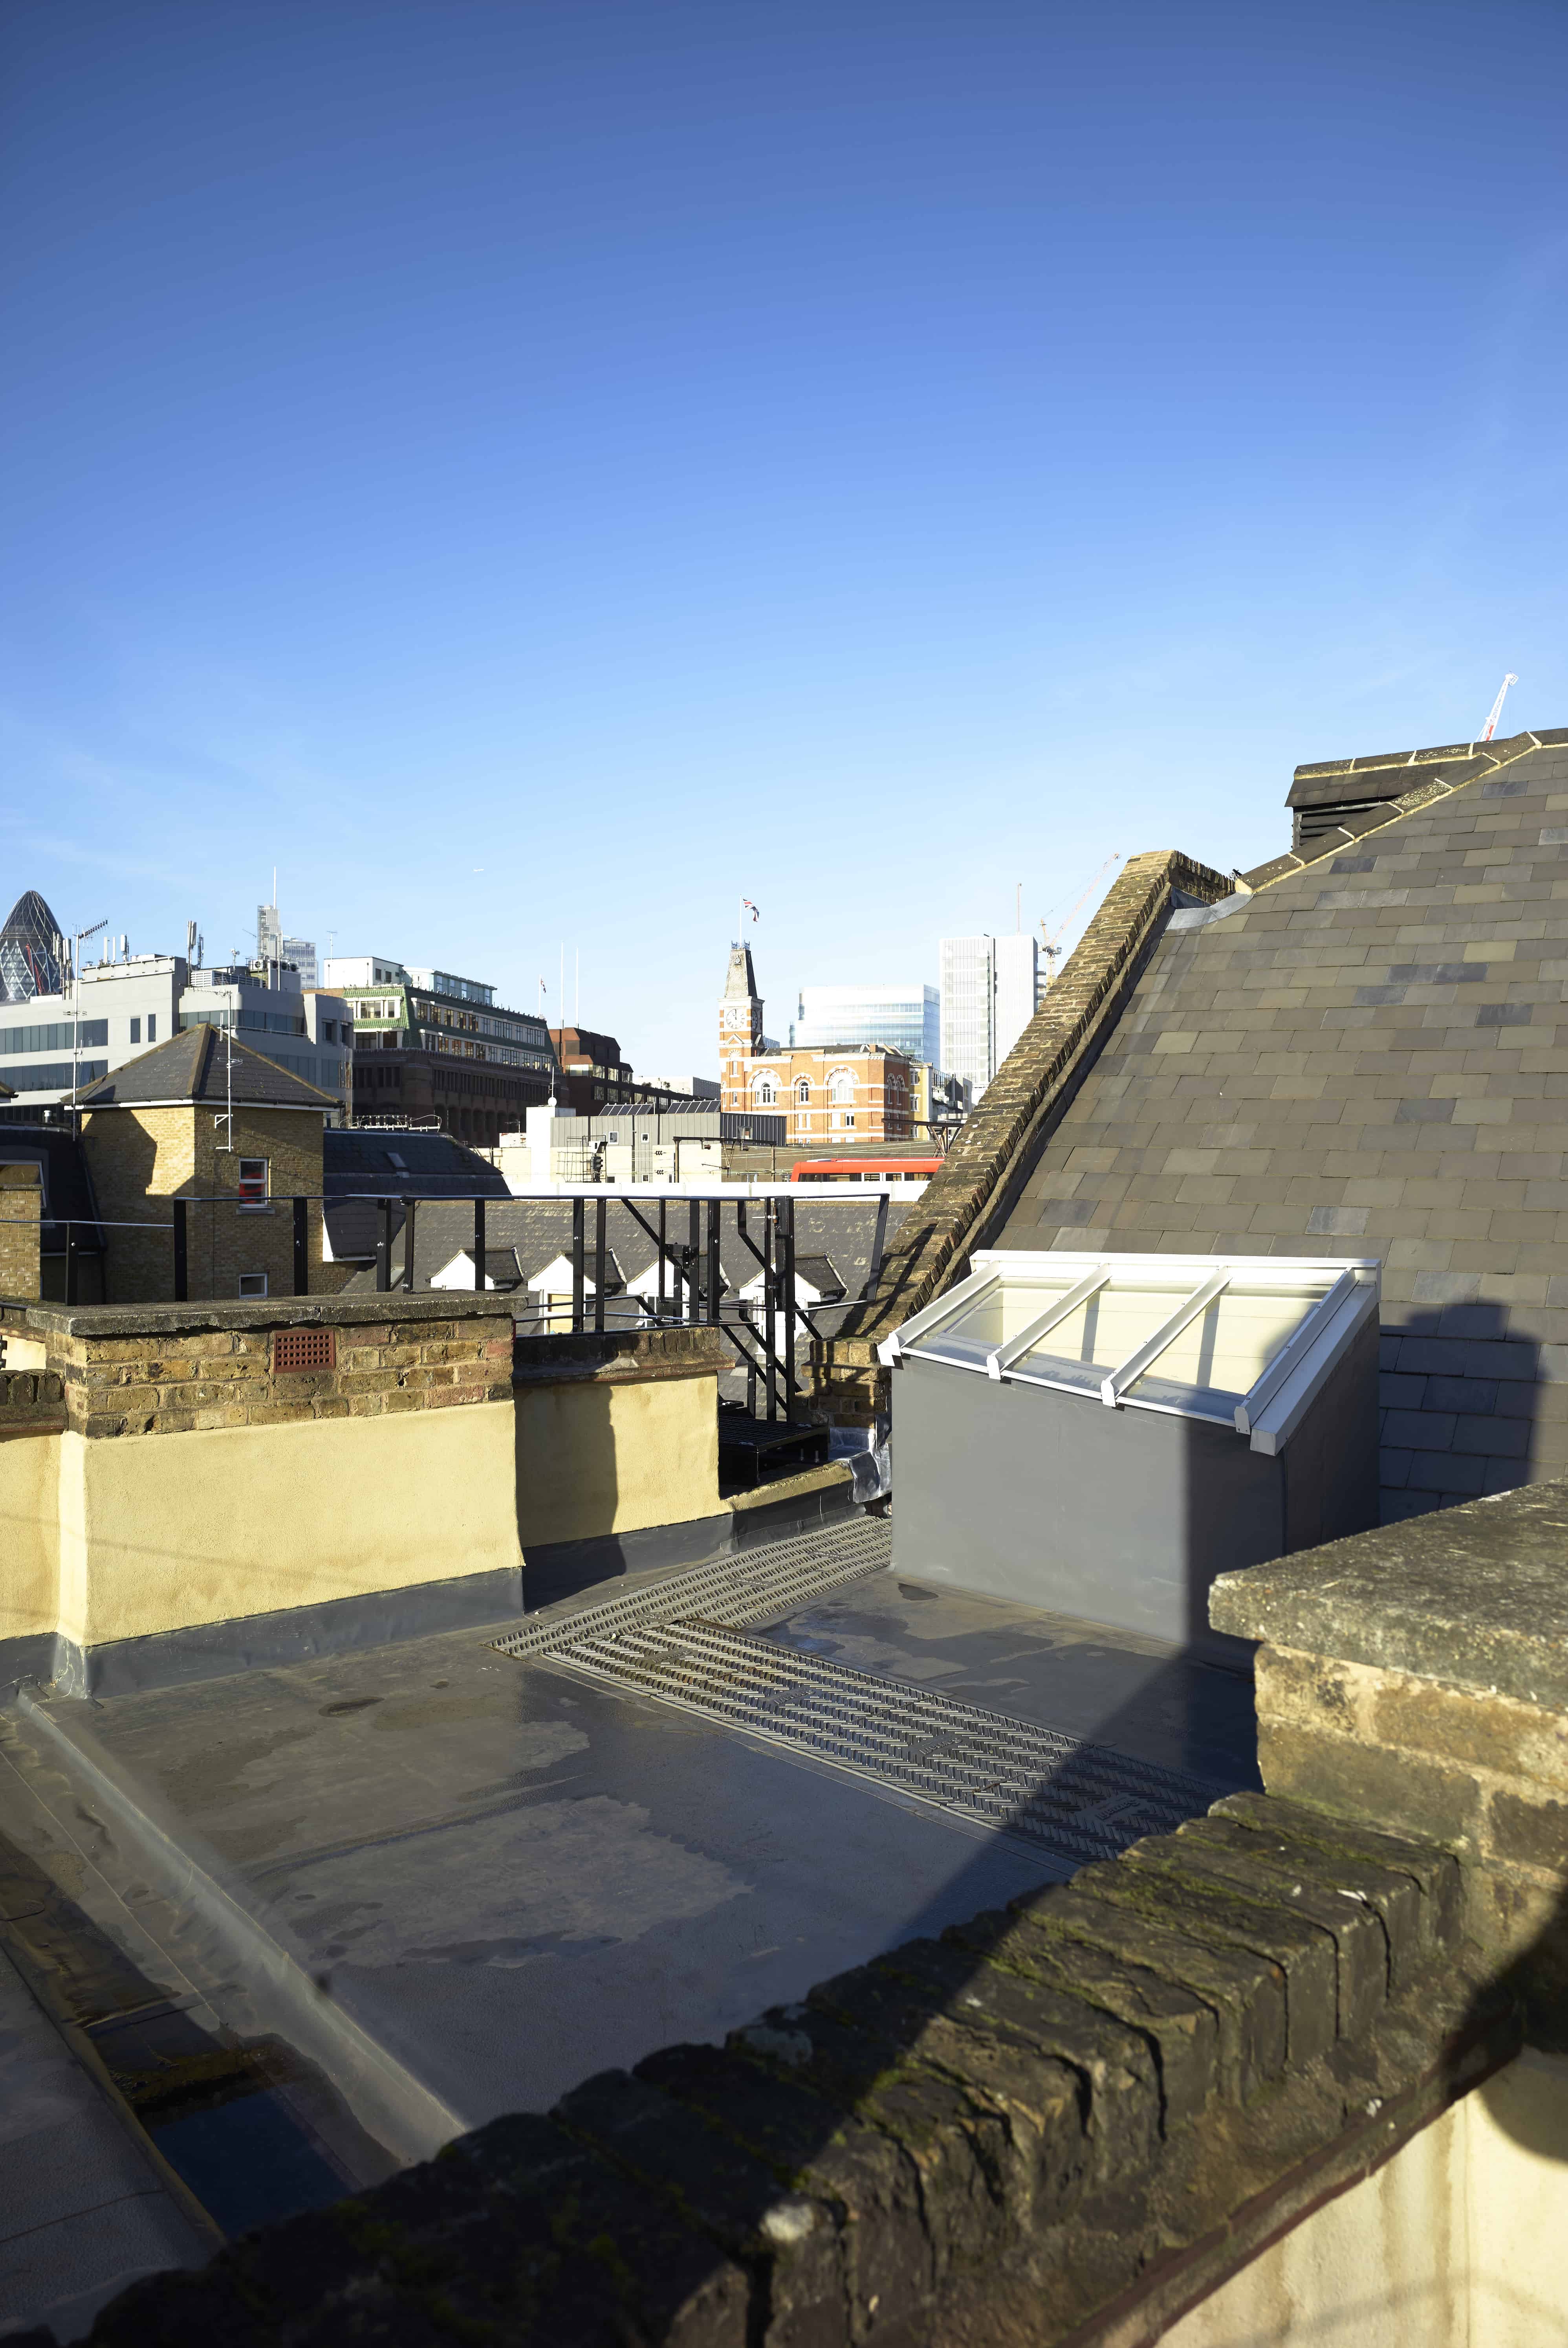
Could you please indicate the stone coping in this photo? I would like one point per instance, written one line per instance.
(623, 1355)
(1476, 1596)
(1066, 2122)
(360, 1310)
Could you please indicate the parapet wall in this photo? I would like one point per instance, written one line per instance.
(1416, 1677)
(181, 1500)
(171, 1369)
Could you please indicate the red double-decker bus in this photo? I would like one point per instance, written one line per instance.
(864, 1170)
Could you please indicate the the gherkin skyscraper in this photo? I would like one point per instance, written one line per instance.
(30, 958)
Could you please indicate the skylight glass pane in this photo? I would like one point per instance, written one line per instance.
(1001, 1313)
(1102, 1332)
(1232, 1341)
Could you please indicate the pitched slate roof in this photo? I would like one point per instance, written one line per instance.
(540, 1230)
(1369, 1055)
(194, 1066)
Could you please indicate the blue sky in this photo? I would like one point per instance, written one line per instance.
(536, 472)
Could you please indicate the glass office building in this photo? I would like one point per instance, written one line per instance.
(989, 987)
(899, 1018)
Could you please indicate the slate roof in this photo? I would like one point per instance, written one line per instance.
(540, 1230)
(362, 1159)
(1368, 1056)
(501, 1267)
(194, 1065)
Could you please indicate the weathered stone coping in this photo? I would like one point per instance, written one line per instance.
(1067, 2122)
(166, 1320)
(620, 1356)
(977, 1184)
(1476, 1597)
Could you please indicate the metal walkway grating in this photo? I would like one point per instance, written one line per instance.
(1070, 1801)
(762, 1582)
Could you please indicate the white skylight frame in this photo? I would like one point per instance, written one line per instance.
(1346, 1291)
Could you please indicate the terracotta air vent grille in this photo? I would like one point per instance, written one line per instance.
(305, 1349)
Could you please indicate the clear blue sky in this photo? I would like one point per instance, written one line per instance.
(857, 456)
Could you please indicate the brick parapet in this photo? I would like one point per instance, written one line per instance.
(621, 1356)
(974, 1189)
(170, 1371)
(1417, 1676)
(32, 1402)
(1101, 2100)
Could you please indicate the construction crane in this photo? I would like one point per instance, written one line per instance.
(1489, 728)
(1052, 946)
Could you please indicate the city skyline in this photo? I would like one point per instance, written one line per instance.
(745, 442)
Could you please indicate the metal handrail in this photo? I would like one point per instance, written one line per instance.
(696, 1262)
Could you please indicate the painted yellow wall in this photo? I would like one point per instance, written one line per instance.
(594, 1457)
(159, 1531)
(1457, 2242)
(29, 1534)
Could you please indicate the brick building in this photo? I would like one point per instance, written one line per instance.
(239, 1135)
(593, 1074)
(843, 1092)
(429, 1044)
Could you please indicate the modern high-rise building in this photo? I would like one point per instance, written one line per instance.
(272, 945)
(904, 1019)
(32, 951)
(988, 998)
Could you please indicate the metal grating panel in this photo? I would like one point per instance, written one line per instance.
(1070, 1801)
(763, 1584)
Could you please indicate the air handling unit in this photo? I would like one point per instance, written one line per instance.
(1103, 1435)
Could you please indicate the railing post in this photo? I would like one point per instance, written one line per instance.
(383, 1247)
(598, 1207)
(70, 1264)
(576, 1241)
(302, 1248)
(695, 1263)
(663, 1261)
(408, 1205)
(181, 1277)
(770, 1306)
(786, 1220)
(878, 1239)
(715, 1268)
(478, 1244)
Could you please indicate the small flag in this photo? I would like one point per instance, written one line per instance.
(747, 906)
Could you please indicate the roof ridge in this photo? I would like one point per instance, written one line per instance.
(1388, 813)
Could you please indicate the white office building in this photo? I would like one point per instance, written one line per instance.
(115, 1009)
(904, 1019)
(989, 993)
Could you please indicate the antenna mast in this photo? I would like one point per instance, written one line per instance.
(1489, 728)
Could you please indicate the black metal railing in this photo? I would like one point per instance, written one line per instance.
(689, 1289)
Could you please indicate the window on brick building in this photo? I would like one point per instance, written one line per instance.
(252, 1284)
(135, 1031)
(152, 1026)
(766, 1093)
(253, 1187)
(803, 1094)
